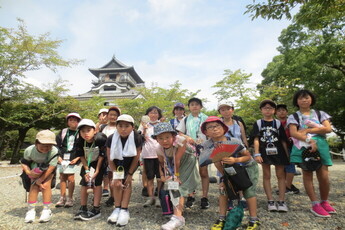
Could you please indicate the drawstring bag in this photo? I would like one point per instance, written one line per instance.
(311, 160)
(234, 217)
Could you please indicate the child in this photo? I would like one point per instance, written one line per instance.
(91, 150)
(189, 127)
(215, 129)
(123, 151)
(271, 149)
(102, 118)
(67, 160)
(108, 129)
(304, 100)
(178, 113)
(149, 155)
(290, 170)
(178, 160)
(39, 163)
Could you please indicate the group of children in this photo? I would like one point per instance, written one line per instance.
(111, 150)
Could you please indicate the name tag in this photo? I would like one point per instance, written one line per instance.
(119, 174)
(271, 150)
(92, 171)
(66, 156)
(173, 185)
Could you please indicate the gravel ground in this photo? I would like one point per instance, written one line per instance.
(13, 208)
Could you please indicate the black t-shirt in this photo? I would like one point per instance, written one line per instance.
(97, 147)
(69, 139)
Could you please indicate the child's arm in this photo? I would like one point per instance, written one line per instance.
(99, 165)
(161, 167)
(257, 154)
(74, 161)
(219, 166)
(325, 128)
(111, 163)
(45, 175)
(243, 135)
(132, 168)
(179, 153)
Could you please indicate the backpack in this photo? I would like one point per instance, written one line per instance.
(278, 124)
(318, 114)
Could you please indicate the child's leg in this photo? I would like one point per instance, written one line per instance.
(97, 195)
(308, 185)
(47, 192)
(223, 205)
(179, 209)
(323, 178)
(118, 192)
(280, 173)
(33, 194)
(252, 206)
(126, 196)
(266, 174)
(71, 185)
(150, 187)
(205, 180)
(63, 178)
(83, 196)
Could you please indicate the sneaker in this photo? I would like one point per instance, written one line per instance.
(328, 208)
(79, 213)
(112, 219)
(298, 173)
(110, 202)
(61, 202)
(157, 202)
(144, 192)
(271, 206)
(174, 223)
(253, 225)
(105, 193)
(90, 215)
(46, 215)
(156, 192)
(30, 216)
(282, 207)
(149, 202)
(294, 190)
(319, 211)
(69, 203)
(190, 202)
(204, 203)
(123, 218)
(219, 225)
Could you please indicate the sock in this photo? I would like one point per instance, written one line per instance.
(221, 217)
(31, 205)
(97, 208)
(46, 205)
(323, 201)
(83, 207)
(119, 207)
(314, 203)
(126, 209)
(253, 218)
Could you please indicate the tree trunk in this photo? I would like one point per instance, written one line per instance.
(20, 140)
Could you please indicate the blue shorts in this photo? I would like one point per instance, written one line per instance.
(290, 168)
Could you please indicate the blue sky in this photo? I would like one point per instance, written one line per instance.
(191, 41)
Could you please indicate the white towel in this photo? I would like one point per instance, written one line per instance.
(116, 150)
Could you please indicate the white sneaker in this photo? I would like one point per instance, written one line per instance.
(282, 207)
(271, 206)
(150, 201)
(123, 218)
(114, 216)
(174, 223)
(158, 202)
(30, 216)
(46, 215)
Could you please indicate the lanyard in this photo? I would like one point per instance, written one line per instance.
(68, 136)
(89, 157)
(170, 166)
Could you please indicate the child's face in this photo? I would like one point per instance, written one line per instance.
(72, 123)
(124, 128)
(178, 112)
(267, 111)
(112, 116)
(166, 140)
(43, 148)
(281, 113)
(304, 101)
(226, 111)
(214, 130)
(194, 107)
(87, 133)
(153, 115)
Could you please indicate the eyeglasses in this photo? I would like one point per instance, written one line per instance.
(213, 127)
(267, 108)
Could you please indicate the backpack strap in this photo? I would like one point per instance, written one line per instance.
(295, 115)
(259, 123)
(318, 114)
(63, 134)
(102, 127)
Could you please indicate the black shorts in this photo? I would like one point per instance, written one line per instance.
(98, 179)
(125, 163)
(152, 168)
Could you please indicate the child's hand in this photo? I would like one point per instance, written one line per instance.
(229, 160)
(72, 162)
(163, 179)
(178, 180)
(94, 175)
(87, 177)
(128, 181)
(34, 175)
(190, 140)
(258, 159)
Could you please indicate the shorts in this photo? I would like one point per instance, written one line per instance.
(125, 163)
(152, 168)
(253, 172)
(322, 146)
(98, 179)
(290, 168)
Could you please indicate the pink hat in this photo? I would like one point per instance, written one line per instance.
(213, 119)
